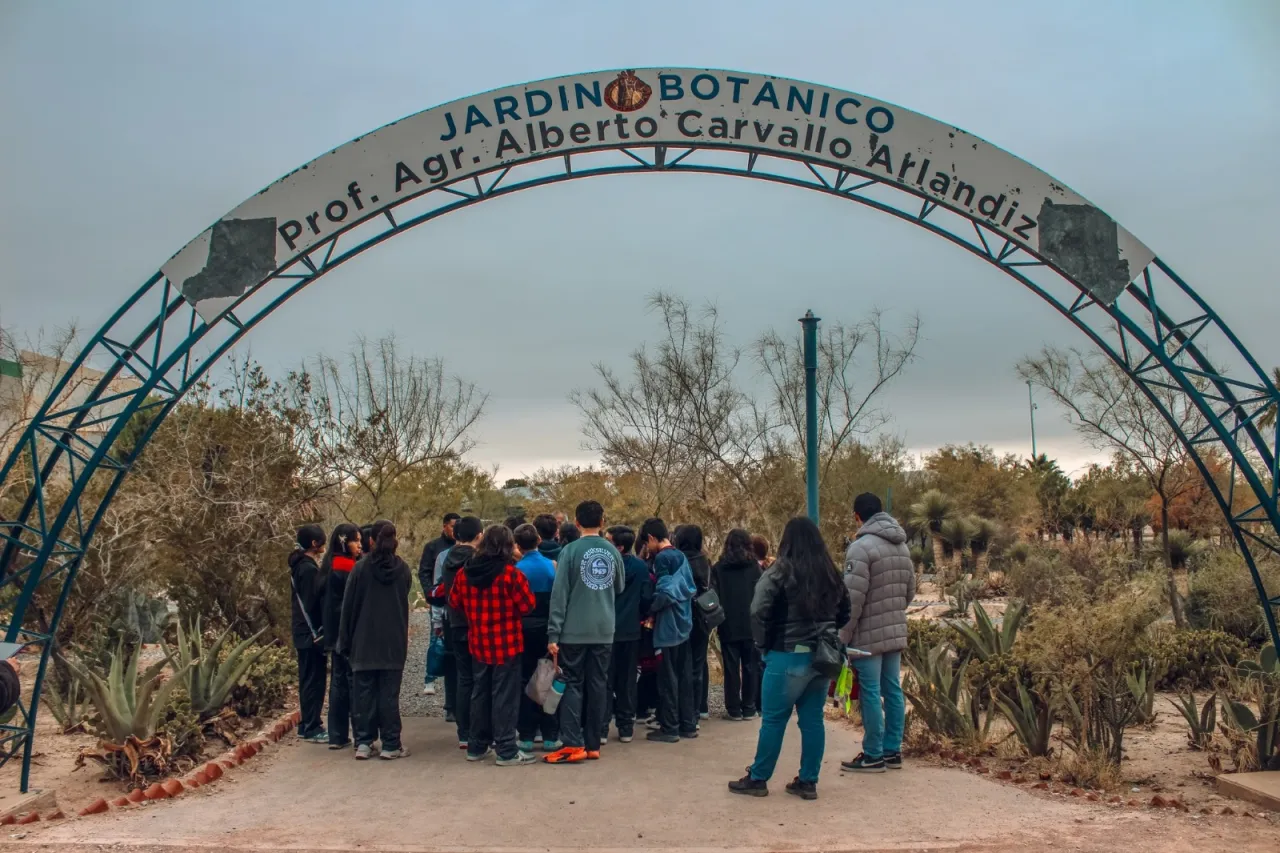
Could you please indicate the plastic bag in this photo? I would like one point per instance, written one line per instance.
(846, 688)
(435, 657)
(539, 686)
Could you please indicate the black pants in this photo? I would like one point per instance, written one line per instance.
(339, 700)
(586, 690)
(375, 707)
(465, 681)
(647, 694)
(622, 687)
(698, 643)
(677, 703)
(495, 705)
(450, 676)
(741, 676)
(532, 718)
(311, 678)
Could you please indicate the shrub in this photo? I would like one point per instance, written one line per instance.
(267, 683)
(925, 634)
(1191, 660)
(1222, 595)
(1041, 581)
(181, 725)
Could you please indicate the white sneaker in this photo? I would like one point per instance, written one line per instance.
(481, 757)
(363, 752)
(393, 754)
(429, 690)
(521, 758)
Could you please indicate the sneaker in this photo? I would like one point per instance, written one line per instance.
(593, 755)
(893, 760)
(566, 755)
(862, 764)
(803, 790)
(552, 746)
(462, 744)
(625, 738)
(393, 754)
(750, 787)
(318, 736)
(520, 759)
(704, 715)
(364, 752)
(689, 735)
(481, 757)
(653, 723)
(736, 718)
(524, 745)
(662, 737)
(537, 738)
(604, 738)
(429, 690)
(449, 717)
(343, 745)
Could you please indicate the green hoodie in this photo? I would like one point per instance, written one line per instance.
(589, 574)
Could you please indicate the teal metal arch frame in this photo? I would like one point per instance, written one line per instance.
(1158, 330)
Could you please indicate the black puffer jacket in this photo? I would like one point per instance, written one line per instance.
(776, 625)
(735, 582)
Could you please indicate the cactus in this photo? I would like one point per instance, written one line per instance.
(1262, 681)
(129, 704)
(1032, 719)
(1201, 722)
(208, 682)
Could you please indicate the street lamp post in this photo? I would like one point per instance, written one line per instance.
(810, 325)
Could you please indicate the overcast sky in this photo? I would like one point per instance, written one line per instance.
(127, 128)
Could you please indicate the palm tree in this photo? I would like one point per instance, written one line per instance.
(929, 513)
(1269, 416)
(957, 533)
(982, 532)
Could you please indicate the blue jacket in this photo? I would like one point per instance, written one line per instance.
(541, 573)
(672, 599)
(632, 604)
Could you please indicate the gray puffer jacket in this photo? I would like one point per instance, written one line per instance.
(882, 581)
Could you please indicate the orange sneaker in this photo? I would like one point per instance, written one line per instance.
(566, 755)
(593, 755)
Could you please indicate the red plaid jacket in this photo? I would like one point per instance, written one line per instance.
(494, 614)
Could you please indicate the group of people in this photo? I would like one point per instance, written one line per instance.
(624, 615)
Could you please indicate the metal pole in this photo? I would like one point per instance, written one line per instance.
(810, 325)
(1032, 403)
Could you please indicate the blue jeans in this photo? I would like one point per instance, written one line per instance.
(880, 678)
(790, 681)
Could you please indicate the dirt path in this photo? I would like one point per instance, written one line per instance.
(640, 796)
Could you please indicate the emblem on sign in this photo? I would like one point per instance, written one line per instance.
(627, 93)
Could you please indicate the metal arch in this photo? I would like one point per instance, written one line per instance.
(1146, 331)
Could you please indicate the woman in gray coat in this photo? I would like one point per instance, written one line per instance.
(881, 580)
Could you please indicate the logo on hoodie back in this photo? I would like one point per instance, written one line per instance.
(597, 569)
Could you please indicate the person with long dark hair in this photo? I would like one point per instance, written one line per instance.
(495, 595)
(339, 560)
(799, 598)
(308, 618)
(688, 539)
(734, 578)
(374, 636)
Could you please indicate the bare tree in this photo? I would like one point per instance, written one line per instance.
(849, 385)
(379, 414)
(1112, 412)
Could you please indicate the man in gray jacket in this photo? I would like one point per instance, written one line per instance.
(882, 581)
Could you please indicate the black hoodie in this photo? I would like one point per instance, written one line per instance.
(308, 593)
(453, 562)
(375, 614)
(701, 568)
(482, 571)
(735, 583)
(550, 549)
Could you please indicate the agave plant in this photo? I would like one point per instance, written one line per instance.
(1032, 719)
(129, 703)
(1263, 679)
(984, 639)
(66, 702)
(938, 694)
(1200, 722)
(208, 682)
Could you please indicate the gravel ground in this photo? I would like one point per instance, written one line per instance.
(414, 704)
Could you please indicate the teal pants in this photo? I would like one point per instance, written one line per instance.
(884, 709)
(790, 681)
